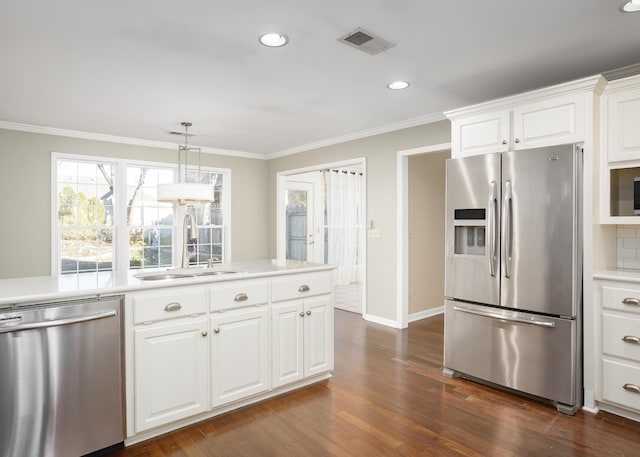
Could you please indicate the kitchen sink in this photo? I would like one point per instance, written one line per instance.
(216, 272)
(182, 273)
(160, 276)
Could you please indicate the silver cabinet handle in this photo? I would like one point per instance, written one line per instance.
(241, 297)
(517, 140)
(631, 339)
(308, 313)
(631, 301)
(504, 141)
(205, 333)
(500, 317)
(216, 330)
(493, 232)
(304, 288)
(175, 306)
(301, 313)
(631, 388)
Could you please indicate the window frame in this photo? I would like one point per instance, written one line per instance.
(120, 228)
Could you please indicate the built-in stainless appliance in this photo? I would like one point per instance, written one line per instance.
(514, 272)
(61, 377)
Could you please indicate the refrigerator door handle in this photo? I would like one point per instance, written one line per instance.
(507, 214)
(500, 317)
(493, 231)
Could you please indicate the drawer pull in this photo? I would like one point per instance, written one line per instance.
(301, 313)
(631, 301)
(631, 388)
(631, 339)
(309, 313)
(304, 288)
(216, 330)
(175, 306)
(241, 297)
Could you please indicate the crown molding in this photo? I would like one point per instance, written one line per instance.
(624, 72)
(421, 120)
(594, 84)
(121, 139)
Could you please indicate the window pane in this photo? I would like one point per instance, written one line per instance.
(150, 222)
(85, 202)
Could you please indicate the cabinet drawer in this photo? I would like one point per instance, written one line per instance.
(615, 377)
(300, 286)
(627, 300)
(239, 293)
(621, 336)
(168, 304)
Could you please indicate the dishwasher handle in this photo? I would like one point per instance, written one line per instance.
(58, 322)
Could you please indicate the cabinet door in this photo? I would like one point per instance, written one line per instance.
(239, 354)
(549, 122)
(287, 322)
(480, 134)
(623, 126)
(318, 336)
(171, 372)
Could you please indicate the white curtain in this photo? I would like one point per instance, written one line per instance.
(343, 214)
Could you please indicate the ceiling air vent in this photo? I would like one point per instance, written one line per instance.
(366, 41)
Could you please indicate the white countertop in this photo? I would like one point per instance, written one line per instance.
(41, 289)
(619, 275)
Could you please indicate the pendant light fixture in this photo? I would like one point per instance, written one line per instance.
(183, 192)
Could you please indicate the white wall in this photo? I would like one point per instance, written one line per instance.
(380, 152)
(25, 187)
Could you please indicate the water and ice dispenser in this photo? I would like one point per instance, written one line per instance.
(470, 231)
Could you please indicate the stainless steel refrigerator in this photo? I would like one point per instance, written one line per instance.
(514, 272)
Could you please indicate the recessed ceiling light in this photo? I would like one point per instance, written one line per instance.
(631, 6)
(397, 85)
(274, 40)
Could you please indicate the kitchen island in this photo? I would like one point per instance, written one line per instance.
(199, 346)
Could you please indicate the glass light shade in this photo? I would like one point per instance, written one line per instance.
(185, 193)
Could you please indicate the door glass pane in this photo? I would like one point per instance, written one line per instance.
(296, 225)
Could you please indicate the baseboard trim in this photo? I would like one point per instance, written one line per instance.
(381, 320)
(426, 314)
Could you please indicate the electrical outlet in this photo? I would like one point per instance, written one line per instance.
(374, 233)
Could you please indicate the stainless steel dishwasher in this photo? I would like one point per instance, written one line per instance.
(61, 378)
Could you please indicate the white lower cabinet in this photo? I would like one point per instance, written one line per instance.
(196, 350)
(302, 339)
(171, 369)
(239, 354)
(619, 349)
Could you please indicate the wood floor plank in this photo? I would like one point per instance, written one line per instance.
(388, 398)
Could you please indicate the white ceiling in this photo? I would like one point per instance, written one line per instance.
(136, 68)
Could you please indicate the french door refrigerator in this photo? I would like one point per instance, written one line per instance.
(514, 272)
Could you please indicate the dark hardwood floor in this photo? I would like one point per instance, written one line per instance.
(388, 398)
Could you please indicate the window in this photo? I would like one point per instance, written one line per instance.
(107, 216)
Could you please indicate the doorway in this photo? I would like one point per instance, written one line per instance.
(406, 237)
(321, 214)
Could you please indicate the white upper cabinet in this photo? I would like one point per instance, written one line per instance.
(481, 134)
(621, 118)
(548, 122)
(544, 117)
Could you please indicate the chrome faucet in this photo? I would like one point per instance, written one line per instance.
(189, 218)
